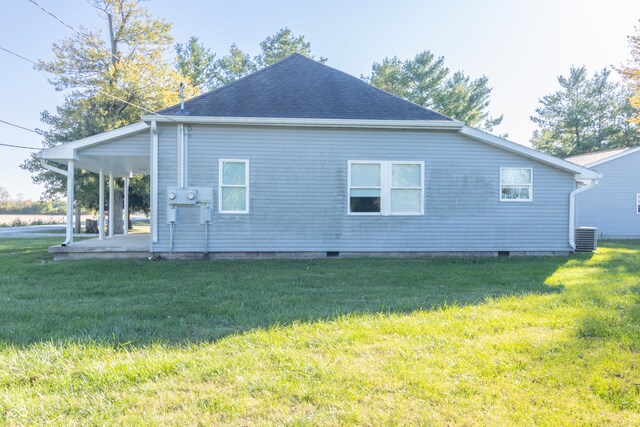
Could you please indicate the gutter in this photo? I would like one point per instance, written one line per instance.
(308, 122)
(572, 210)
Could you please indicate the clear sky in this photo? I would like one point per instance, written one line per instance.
(521, 46)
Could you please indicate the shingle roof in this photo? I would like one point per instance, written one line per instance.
(299, 87)
(590, 158)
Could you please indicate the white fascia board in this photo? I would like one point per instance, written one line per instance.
(339, 123)
(580, 171)
(67, 151)
(617, 156)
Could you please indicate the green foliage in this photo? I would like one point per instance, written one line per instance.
(208, 73)
(586, 114)
(426, 81)
(103, 80)
(631, 74)
(49, 207)
(517, 341)
(196, 63)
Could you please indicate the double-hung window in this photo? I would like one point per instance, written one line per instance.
(516, 184)
(233, 191)
(386, 187)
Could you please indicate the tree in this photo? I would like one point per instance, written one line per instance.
(586, 114)
(282, 44)
(4, 194)
(426, 81)
(208, 73)
(106, 79)
(196, 63)
(631, 75)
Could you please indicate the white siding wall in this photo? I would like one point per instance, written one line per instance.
(611, 205)
(298, 193)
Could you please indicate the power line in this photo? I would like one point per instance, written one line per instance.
(97, 90)
(20, 146)
(19, 127)
(89, 40)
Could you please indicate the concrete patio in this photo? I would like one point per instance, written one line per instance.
(118, 246)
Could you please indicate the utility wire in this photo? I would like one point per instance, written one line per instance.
(97, 90)
(19, 127)
(89, 40)
(20, 146)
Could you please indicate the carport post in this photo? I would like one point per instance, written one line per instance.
(126, 205)
(70, 185)
(112, 220)
(101, 214)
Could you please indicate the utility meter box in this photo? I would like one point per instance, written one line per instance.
(182, 196)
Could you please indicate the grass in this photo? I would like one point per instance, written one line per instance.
(517, 341)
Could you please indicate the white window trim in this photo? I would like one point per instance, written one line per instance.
(638, 203)
(530, 199)
(385, 187)
(246, 186)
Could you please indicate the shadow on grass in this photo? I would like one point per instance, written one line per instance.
(140, 302)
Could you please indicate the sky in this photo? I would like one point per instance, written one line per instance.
(521, 46)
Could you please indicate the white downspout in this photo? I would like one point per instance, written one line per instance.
(69, 173)
(572, 211)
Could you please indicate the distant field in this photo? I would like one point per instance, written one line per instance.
(7, 219)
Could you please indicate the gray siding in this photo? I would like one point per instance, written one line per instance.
(298, 193)
(611, 205)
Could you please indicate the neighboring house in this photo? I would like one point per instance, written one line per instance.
(613, 206)
(300, 159)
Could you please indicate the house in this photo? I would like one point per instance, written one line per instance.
(613, 206)
(300, 159)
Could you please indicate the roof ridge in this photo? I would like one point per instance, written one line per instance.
(225, 86)
(374, 87)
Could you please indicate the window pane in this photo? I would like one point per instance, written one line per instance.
(234, 199)
(405, 176)
(364, 204)
(233, 173)
(365, 192)
(512, 192)
(515, 176)
(365, 175)
(405, 201)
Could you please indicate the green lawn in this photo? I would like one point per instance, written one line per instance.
(524, 341)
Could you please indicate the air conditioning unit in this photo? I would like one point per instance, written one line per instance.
(586, 239)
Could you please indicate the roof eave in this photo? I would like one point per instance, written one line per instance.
(614, 157)
(67, 151)
(579, 171)
(308, 122)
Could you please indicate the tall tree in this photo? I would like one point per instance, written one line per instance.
(280, 45)
(586, 114)
(208, 73)
(426, 81)
(631, 74)
(105, 79)
(196, 63)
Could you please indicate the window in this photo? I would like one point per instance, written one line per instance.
(516, 184)
(638, 203)
(233, 191)
(386, 188)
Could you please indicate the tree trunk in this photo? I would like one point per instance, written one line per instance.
(118, 205)
(78, 228)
